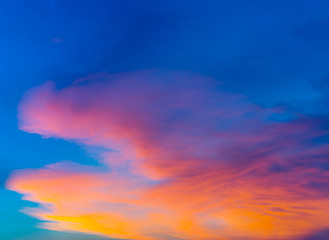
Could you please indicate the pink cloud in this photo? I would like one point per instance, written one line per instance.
(203, 163)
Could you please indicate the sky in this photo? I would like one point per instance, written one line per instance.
(164, 120)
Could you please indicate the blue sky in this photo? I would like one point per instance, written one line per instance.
(275, 53)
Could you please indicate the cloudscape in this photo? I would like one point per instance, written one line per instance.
(177, 120)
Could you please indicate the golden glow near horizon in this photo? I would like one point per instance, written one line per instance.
(189, 163)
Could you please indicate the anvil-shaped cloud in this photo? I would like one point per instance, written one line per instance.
(185, 160)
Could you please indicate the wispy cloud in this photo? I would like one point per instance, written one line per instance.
(186, 160)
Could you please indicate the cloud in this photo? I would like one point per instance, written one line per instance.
(184, 160)
(323, 234)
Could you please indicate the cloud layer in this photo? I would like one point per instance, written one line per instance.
(184, 160)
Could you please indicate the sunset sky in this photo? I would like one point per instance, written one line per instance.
(164, 120)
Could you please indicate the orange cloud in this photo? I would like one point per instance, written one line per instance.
(202, 163)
